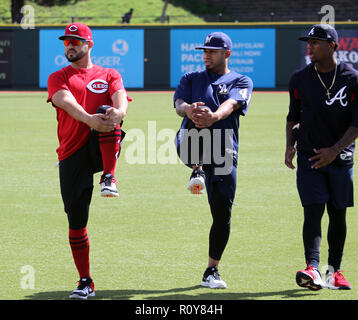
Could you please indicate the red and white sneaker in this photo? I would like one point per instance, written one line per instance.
(197, 182)
(84, 290)
(108, 186)
(310, 278)
(336, 281)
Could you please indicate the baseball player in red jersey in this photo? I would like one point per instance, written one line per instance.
(90, 103)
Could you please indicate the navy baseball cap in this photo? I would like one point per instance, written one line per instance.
(217, 40)
(321, 32)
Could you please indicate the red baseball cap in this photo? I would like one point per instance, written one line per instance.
(77, 30)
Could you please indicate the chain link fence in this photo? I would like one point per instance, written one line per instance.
(108, 20)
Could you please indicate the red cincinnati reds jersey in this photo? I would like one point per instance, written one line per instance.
(91, 88)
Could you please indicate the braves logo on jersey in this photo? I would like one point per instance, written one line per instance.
(340, 95)
(98, 86)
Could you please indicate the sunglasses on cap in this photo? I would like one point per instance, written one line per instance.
(74, 42)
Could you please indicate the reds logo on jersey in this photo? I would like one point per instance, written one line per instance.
(98, 86)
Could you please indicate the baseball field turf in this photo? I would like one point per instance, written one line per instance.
(151, 243)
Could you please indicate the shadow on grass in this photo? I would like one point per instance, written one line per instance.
(177, 294)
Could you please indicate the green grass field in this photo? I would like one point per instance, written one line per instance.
(109, 12)
(151, 243)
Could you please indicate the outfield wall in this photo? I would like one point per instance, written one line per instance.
(154, 57)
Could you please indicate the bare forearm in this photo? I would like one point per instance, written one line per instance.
(325, 156)
(291, 133)
(291, 137)
(64, 100)
(201, 115)
(180, 107)
(226, 108)
(349, 137)
(120, 102)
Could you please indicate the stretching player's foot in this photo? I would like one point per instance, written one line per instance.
(337, 281)
(84, 290)
(108, 186)
(197, 181)
(310, 278)
(212, 279)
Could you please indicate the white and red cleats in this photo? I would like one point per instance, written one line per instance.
(336, 281)
(84, 290)
(108, 186)
(310, 278)
(197, 182)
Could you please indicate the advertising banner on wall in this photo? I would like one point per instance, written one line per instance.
(347, 50)
(122, 50)
(253, 53)
(6, 58)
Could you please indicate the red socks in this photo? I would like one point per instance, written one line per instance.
(80, 251)
(109, 144)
